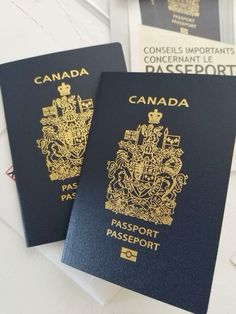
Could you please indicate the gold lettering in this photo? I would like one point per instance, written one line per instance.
(134, 228)
(172, 102)
(155, 233)
(56, 76)
(113, 222)
(38, 80)
(143, 242)
(141, 100)
(46, 79)
(65, 75)
(109, 232)
(130, 238)
(68, 197)
(60, 76)
(156, 245)
(149, 232)
(152, 100)
(132, 99)
(118, 224)
(74, 73)
(63, 187)
(84, 72)
(119, 236)
(75, 185)
(150, 245)
(184, 103)
(162, 101)
(67, 187)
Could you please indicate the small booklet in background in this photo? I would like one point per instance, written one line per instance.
(157, 167)
(203, 18)
(49, 102)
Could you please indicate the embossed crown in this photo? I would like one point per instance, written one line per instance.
(154, 116)
(64, 89)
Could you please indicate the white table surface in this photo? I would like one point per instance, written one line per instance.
(29, 283)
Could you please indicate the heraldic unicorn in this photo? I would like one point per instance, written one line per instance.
(145, 177)
(66, 125)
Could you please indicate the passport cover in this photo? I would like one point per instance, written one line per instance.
(100, 290)
(193, 17)
(157, 167)
(49, 102)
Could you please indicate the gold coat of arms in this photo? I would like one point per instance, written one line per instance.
(188, 7)
(66, 125)
(146, 177)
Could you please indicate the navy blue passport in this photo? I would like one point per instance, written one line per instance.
(198, 18)
(49, 103)
(152, 192)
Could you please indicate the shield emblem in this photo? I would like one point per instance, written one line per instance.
(144, 178)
